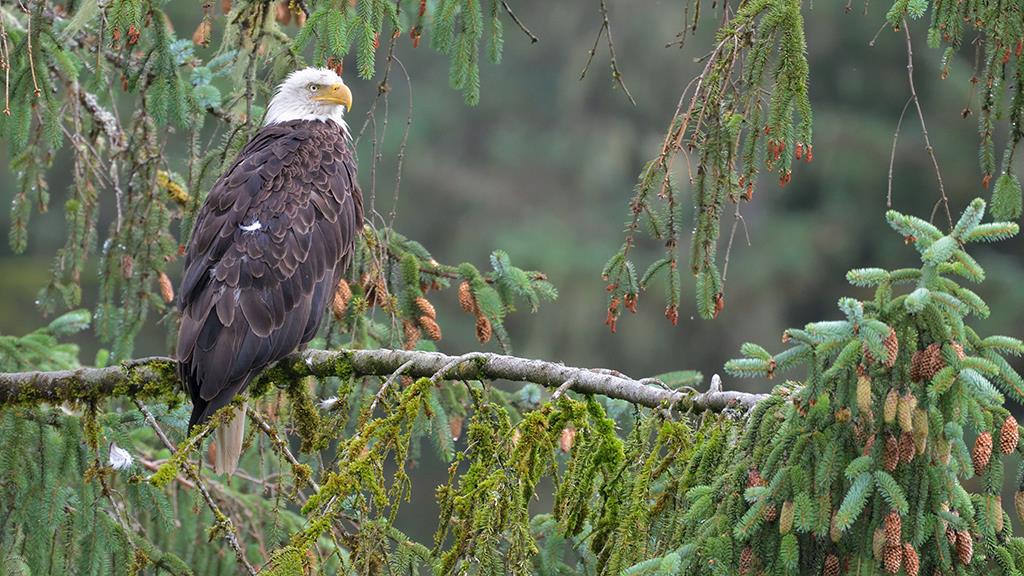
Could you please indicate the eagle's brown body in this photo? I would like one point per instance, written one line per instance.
(270, 243)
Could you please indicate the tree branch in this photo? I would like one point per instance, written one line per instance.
(157, 377)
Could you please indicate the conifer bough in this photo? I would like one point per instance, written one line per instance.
(155, 376)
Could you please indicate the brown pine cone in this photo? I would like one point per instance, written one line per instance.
(431, 327)
(930, 361)
(166, 289)
(483, 329)
(466, 298)
(915, 366)
(892, 348)
(982, 452)
(959, 349)
(891, 454)
(892, 401)
(771, 512)
(892, 557)
(746, 560)
(893, 528)
(426, 308)
(754, 478)
(995, 511)
(831, 566)
(950, 536)
(412, 334)
(908, 448)
(1009, 435)
(964, 547)
(342, 295)
(1018, 504)
(911, 563)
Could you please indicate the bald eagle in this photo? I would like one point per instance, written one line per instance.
(272, 240)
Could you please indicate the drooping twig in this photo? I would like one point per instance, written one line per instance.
(892, 155)
(230, 534)
(944, 200)
(512, 15)
(606, 30)
(155, 377)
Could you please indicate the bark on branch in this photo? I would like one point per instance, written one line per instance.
(156, 377)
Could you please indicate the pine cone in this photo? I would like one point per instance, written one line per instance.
(426, 308)
(911, 563)
(905, 410)
(834, 533)
(342, 295)
(908, 448)
(483, 329)
(950, 536)
(863, 394)
(166, 289)
(831, 566)
(1018, 504)
(412, 334)
(959, 349)
(843, 415)
(1009, 435)
(891, 454)
(771, 512)
(964, 547)
(930, 361)
(892, 557)
(786, 517)
(892, 348)
(430, 326)
(746, 560)
(996, 513)
(455, 426)
(869, 445)
(915, 366)
(893, 528)
(754, 478)
(982, 452)
(892, 401)
(466, 298)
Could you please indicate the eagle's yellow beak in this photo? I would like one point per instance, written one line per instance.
(336, 94)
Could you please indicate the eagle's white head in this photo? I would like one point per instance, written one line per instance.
(310, 94)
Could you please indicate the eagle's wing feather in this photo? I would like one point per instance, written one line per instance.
(270, 243)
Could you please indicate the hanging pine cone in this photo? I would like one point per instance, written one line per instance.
(950, 536)
(342, 295)
(892, 348)
(996, 513)
(483, 329)
(908, 448)
(891, 454)
(166, 290)
(892, 557)
(1018, 504)
(831, 566)
(869, 445)
(915, 366)
(411, 333)
(1009, 435)
(905, 410)
(466, 298)
(746, 560)
(754, 478)
(911, 563)
(863, 394)
(426, 308)
(964, 547)
(786, 517)
(431, 327)
(929, 362)
(771, 512)
(892, 402)
(982, 452)
(893, 528)
(959, 349)
(834, 533)
(920, 418)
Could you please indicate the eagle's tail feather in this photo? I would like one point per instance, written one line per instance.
(229, 438)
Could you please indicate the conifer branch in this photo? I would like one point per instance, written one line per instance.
(155, 377)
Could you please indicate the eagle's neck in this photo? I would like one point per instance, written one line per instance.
(284, 109)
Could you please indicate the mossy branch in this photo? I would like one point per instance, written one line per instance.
(155, 377)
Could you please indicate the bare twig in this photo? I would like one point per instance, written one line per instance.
(944, 200)
(892, 155)
(512, 15)
(606, 30)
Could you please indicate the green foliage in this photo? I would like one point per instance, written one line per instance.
(42, 349)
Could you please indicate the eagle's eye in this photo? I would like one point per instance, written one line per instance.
(313, 87)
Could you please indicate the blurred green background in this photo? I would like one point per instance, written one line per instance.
(544, 166)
